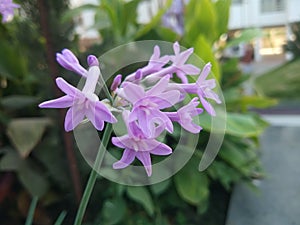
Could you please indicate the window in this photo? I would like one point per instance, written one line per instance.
(272, 6)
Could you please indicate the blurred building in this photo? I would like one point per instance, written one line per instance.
(271, 16)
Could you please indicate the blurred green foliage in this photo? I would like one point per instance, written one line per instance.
(31, 141)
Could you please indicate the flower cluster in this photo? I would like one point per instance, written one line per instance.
(145, 99)
(7, 9)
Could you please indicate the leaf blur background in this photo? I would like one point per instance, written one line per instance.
(37, 157)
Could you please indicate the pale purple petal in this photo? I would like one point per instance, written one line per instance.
(67, 88)
(205, 72)
(116, 82)
(167, 99)
(183, 56)
(95, 120)
(163, 117)
(159, 87)
(212, 95)
(182, 76)
(69, 61)
(145, 159)
(122, 142)
(133, 92)
(152, 144)
(62, 102)
(127, 158)
(157, 126)
(92, 61)
(104, 112)
(190, 69)
(7, 9)
(176, 48)
(97, 113)
(207, 106)
(161, 149)
(73, 117)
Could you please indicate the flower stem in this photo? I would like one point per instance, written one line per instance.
(93, 175)
(31, 211)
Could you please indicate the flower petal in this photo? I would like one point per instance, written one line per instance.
(122, 142)
(73, 117)
(133, 92)
(145, 159)
(161, 149)
(190, 69)
(205, 72)
(69, 61)
(127, 158)
(62, 102)
(191, 127)
(67, 88)
(159, 87)
(207, 106)
(97, 113)
(167, 99)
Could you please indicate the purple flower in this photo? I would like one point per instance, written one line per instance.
(202, 87)
(70, 62)
(82, 103)
(173, 18)
(184, 116)
(205, 90)
(147, 105)
(178, 66)
(116, 82)
(155, 64)
(179, 60)
(138, 145)
(7, 9)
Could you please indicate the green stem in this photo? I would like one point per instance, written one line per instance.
(31, 211)
(93, 175)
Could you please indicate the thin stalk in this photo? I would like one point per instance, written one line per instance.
(60, 218)
(32, 207)
(93, 175)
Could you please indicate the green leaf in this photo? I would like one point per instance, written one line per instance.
(239, 125)
(154, 22)
(113, 211)
(257, 102)
(200, 19)
(191, 185)
(244, 125)
(25, 133)
(159, 188)
(12, 64)
(142, 196)
(10, 161)
(129, 16)
(166, 34)
(222, 8)
(203, 49)
(32, 179)
(17, 101)
(224, 173)
(52, 156)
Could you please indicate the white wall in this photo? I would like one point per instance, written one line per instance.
(248, 14)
